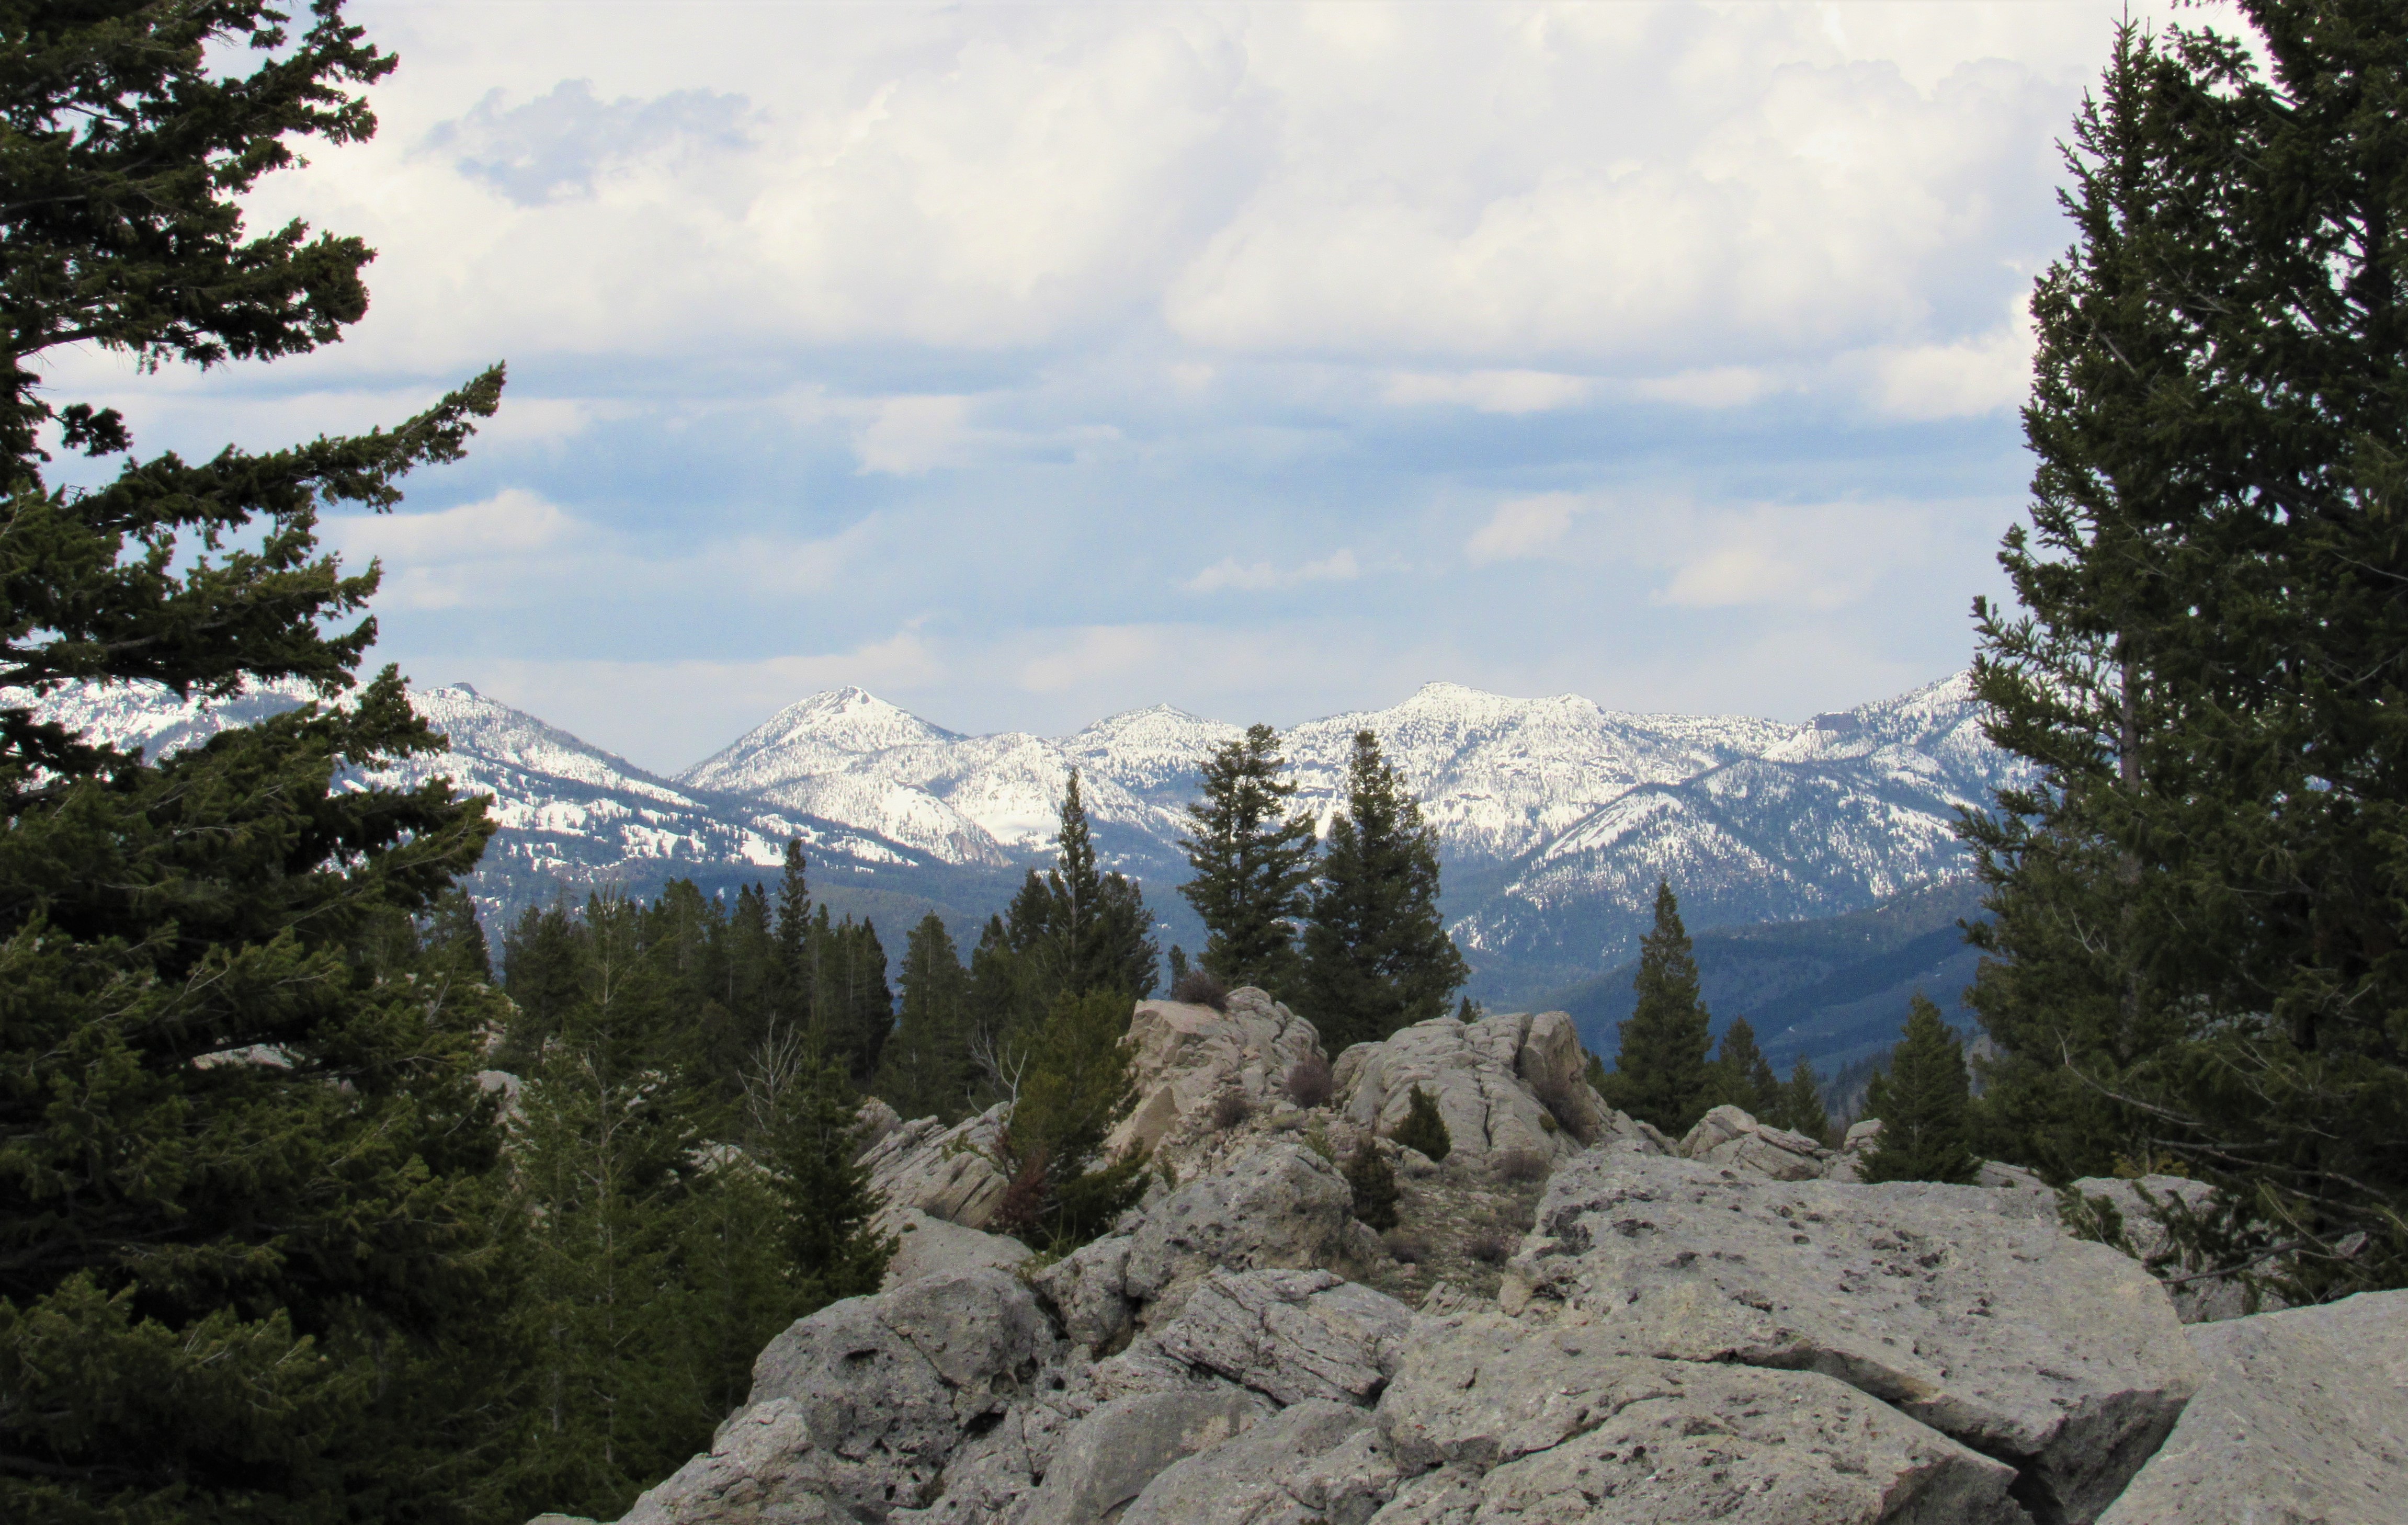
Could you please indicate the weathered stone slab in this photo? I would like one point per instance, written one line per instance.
(2304, 1417)
(1549, 1424)
(1184, 1058)
(930, 1247)
(865, 1402)
(1486, 1077)
(1729, 1136)
(1291, 1335)
(1953, 1304)
(946, 1173)
(1278, 1205)
(1111, 1456)
(1276, 1473)
(2142, 1209)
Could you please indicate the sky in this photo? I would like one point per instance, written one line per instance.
(1024, 364)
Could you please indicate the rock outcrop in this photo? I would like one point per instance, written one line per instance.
(1718, 1334)
(1279, 1206)
(930, 1247)
(1957, 1305)
(2304, 1416)
(946, 1173)
(1184, 1058)
(1556, 1425)
(2134, 1216)
(1729, 1136)
(863, 1404)
(1499, 1083)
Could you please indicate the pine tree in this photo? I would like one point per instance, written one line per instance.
(602, 1131)
(798, 972)
(1799, 1106)
(1659, 1074)
(812, 1146)
(1376, 954)
(2197, 928)
(1075, 1086)
(926, 1068)
(1422, 1127)
(1922, 1099)
(248, 1190)
(1085, 929)
(1253, 863)
(1740, 1075)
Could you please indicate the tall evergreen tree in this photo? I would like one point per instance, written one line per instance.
(247, 1227)
(1740, 1075)
(2197, 935)
(1084, 929)
(1253, 863)
(813, 1146)
(1799, 1106)
(1376, 953)
(797, 966)
(1075, 1087)
(1659, 1073)
(926, 1068)
(1922, 1099)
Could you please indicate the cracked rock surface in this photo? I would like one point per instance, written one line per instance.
(1553, 1425)
(1957, 1305)
(1487, 1078)
(2304, 1416)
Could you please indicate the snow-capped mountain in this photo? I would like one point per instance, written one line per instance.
(1839, 813)
(566, 810)
(1556, 817)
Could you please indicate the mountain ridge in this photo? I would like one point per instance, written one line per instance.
(1555, 816)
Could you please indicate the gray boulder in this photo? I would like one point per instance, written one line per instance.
(1729, 1136)
(1184, 1058)
(864, 1404)
(930, 1247)
(2304, 1417)
(1111, 1456)
(1314, 1463)
(1848, 1166)
(947, 1172)
(1291, 1335)
(1553, 1425)
(2138, 1213)
(1277, 1205)
(1487, 1078)
(1952, 1304)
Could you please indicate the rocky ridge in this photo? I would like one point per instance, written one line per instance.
(1726, 1327)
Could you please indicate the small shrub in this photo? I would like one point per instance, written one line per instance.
(1492, 1246)
(1198, 988)
(1548, 1125)
(1520, 1166)
(1316, 1138)
(1422, 1128)
(1374, 1186)
(1405, 1248)
(1309, 1081)
(1231, 1109)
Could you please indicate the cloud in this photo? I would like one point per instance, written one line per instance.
(1263, 577)
(906, 436)
(1988, 374)
(554, 147)
(1490, 392)
(1723, 386)
(1803, 556)
(1523, 527)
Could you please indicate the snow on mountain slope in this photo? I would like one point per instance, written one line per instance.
(1556, 817)
(564, 808)
(1497, 775)
(1841, 814)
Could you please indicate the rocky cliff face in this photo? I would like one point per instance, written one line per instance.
(1723, 1328)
